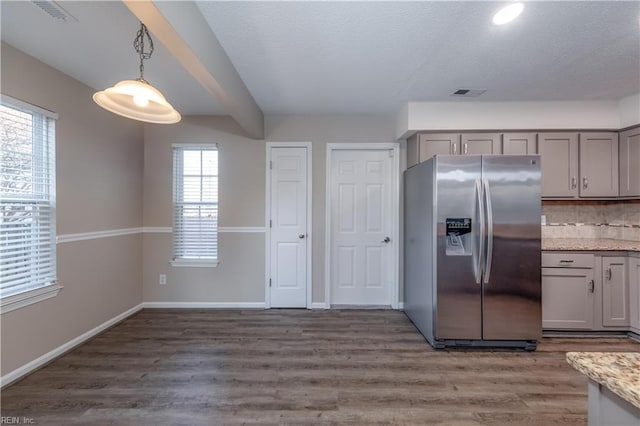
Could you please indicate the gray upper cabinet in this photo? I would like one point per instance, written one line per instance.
(599, 164)
(629, 158)
(519, 144)
(421, 147)
(559, 156)
(480, 144)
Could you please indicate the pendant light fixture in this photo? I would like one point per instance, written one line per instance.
(137, 99)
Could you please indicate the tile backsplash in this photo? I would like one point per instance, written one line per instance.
(618, 220)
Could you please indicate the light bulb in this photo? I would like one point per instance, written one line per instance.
(508, 13)
(141, 101)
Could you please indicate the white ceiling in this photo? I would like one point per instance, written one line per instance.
(358, 57)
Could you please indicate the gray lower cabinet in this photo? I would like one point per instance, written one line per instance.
(559, 158)
(629, 159)
(615, 292)
(634, 294)
(519, 143)
(568, 291)
(582, 291)
(567, 298)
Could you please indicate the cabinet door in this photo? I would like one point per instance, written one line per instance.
(599, 164)
(480, 144)
(519, 144)
(559, 156)
(567, 299)
(629, 159)
(634, 294)
(615, 292)
(437, 143)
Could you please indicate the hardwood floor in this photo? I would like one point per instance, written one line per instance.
(209, 367)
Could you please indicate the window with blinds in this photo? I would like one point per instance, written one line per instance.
(195, 205)
(27, 200)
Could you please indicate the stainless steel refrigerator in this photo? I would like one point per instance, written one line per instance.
(472, 273)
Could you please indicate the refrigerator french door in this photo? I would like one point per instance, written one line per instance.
(472, 250)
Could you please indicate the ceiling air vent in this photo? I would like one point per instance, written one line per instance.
(468, 93)
(54, 10)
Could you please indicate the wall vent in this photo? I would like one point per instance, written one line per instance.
(54, 10)
(468, 93)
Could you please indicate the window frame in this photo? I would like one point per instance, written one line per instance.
(48, 118)
(189, 262)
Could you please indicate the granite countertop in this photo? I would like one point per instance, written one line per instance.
(618, 371)
(595, 244)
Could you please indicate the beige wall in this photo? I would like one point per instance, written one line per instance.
(99, 187)
(320, 130)
(240, 276)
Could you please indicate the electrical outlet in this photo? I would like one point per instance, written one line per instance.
(163, 279)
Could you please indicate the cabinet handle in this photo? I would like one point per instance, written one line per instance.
(592, 286)
(585, 183)
(609, 274)
(574, 183)
(455, 148)
(465, 148)
(566, 261)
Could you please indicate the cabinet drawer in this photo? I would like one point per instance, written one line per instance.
(567, 260)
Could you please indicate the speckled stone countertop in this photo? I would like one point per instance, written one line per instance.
(595, 244)
(618, 371)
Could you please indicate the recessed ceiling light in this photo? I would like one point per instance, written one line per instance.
(508, 13)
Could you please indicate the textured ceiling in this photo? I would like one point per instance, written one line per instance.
(332, 57)
(98, 49)
(358, 57)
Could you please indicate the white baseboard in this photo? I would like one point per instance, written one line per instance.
(400, 306)
(319, 305)
(51, 355)
(205, 305)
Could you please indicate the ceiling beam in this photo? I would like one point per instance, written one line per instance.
(182, 29)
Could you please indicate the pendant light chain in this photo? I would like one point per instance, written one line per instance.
(138, 44)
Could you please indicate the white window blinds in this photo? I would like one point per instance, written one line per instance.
(195, 203)
(27, 199)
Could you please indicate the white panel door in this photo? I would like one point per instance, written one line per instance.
(288, 245)
(361, 250)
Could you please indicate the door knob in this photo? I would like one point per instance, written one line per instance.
(386, 240)
(301, 236)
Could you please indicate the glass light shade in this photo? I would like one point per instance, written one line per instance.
(138, 100)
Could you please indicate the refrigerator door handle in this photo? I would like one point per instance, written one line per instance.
(489, 252)
(480, 251)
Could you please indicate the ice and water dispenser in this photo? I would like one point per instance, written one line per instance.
(459, 236)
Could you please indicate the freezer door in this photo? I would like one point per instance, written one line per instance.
(458, 295)
(512, 274)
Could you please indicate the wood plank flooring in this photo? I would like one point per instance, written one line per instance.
(364, 367)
